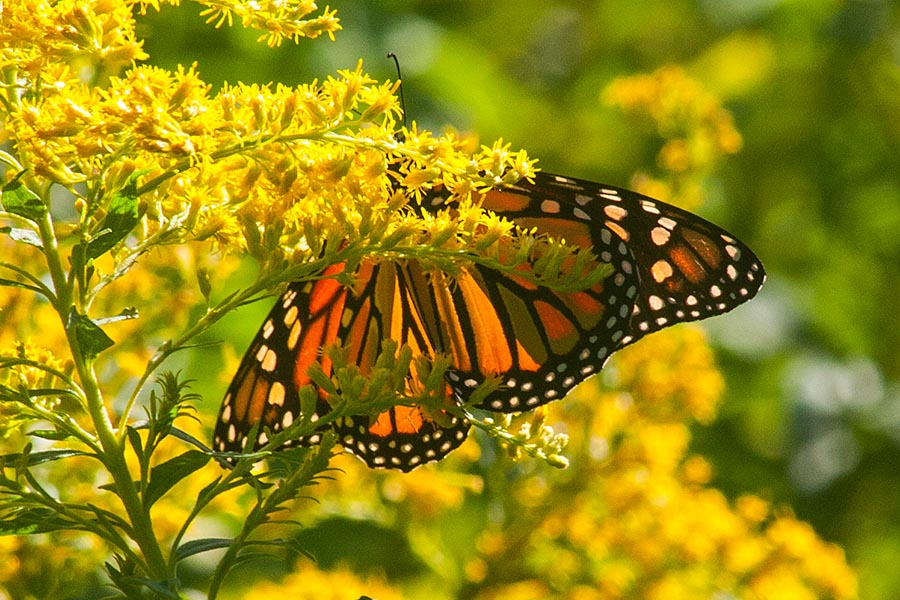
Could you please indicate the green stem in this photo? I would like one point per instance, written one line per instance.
(63, 296)
(113, 454)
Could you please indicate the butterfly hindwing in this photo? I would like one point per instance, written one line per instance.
(308, 317)
(392, 301)
(402, 437)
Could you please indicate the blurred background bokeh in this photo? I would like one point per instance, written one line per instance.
(811, 412)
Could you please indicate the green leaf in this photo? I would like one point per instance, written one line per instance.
(121, 218)
(31, 520)
(162, 588)
(19, 284)
(36, 458)
(186, 437)
(250, 556)
(91, 339)
(202, 545)
(19, 200)
(26, 236)
(134, 438)
(50, 434)
(251, 235)
(167, 474)
(109, 521)
(114, 487)
(204, 282)
(206, 494)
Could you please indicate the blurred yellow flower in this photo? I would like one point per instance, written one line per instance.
(696, 130)
(641, 520)
(310, 583)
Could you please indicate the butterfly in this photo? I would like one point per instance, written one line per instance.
(666, 266)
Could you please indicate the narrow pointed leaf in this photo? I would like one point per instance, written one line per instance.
(36, 458)
(121, 217)
(202, 545)
(167, 474)
(91, 338)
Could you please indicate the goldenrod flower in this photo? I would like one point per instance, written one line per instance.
(697, 131)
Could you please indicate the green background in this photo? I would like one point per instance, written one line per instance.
(812, 411)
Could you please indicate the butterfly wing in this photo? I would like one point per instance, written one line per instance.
(392, 300)
(308, 316)
(540, 342)
(668, 266)
(689, 268)
(265, 388)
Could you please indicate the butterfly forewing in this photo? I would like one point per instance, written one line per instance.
(541, 343)
(265, 389)
(689, 268)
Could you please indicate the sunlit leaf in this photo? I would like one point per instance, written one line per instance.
(19, 200)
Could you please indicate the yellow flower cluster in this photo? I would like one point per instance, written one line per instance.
(249, 160)
(634, 517)
(278, 20)
(49, 41)
(309, 583)
(23, 371)
(697, 130)
(252, 167)
(25, 367)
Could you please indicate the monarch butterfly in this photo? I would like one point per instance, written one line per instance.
(668, 266)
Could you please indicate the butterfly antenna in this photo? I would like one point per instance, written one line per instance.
(400, 79)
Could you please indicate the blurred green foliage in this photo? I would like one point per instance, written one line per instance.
(812, 410)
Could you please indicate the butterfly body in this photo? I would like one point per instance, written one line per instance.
(665, 266)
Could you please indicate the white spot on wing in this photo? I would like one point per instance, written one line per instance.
(550, 207)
